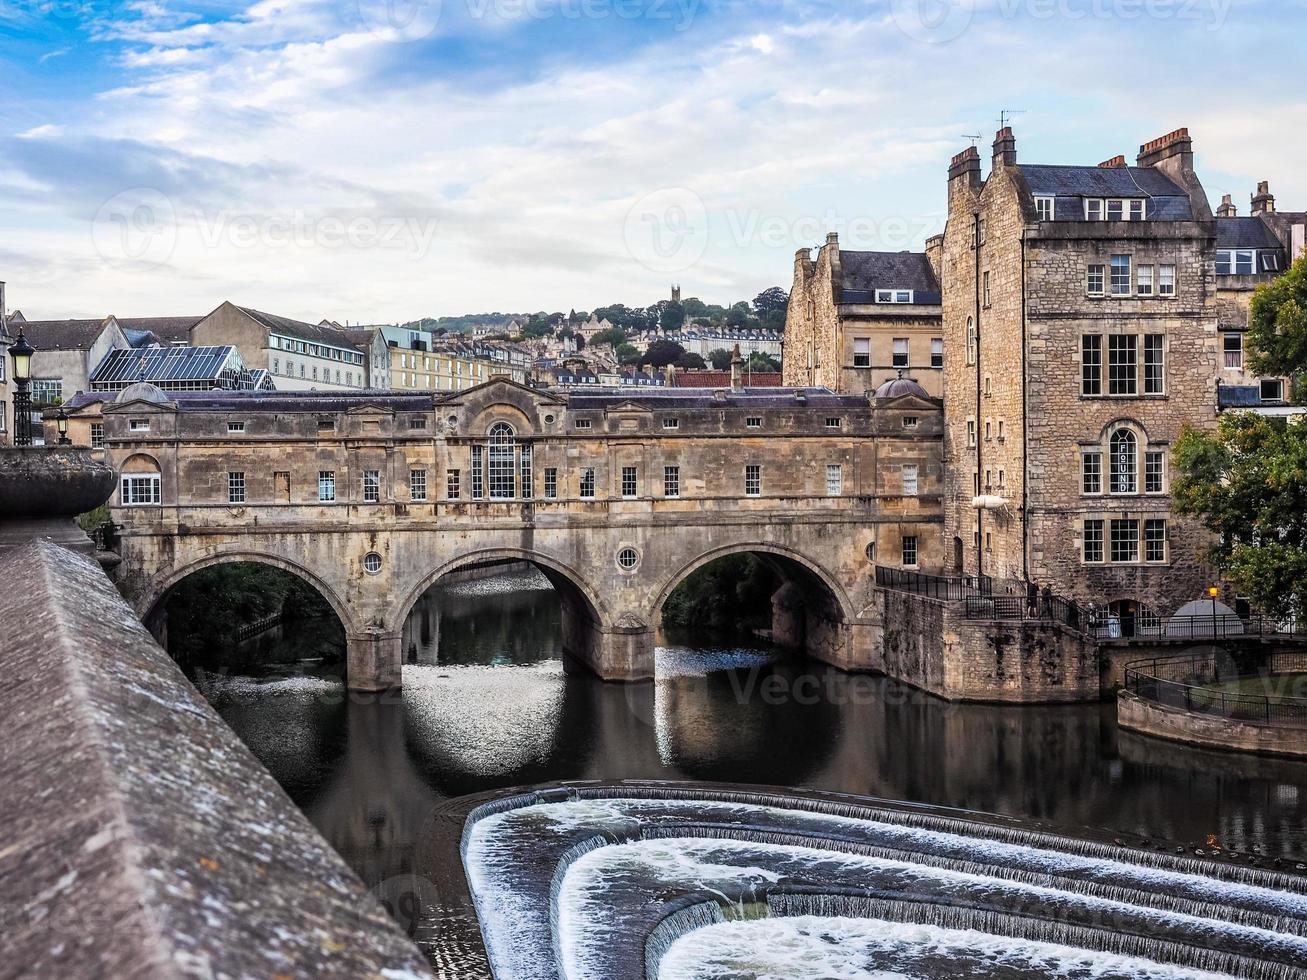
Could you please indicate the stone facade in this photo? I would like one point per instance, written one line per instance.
(626, 495)
(1023, 289)
(837, 333)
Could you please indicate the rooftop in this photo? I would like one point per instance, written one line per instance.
(1245, 233)
(865, 272)
(1169, 201)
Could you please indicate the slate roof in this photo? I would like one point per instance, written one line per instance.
(167, 329)
(722, 379)
(61, 334)
(1245, 233)
(664, 398)
(285, 326)
(298, 401)
(865, 272)
(1168, 201)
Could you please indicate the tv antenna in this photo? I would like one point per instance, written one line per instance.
(1005, 116)
(974, 137)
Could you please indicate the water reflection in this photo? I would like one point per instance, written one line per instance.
(488, 704)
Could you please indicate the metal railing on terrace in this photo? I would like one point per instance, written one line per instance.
(1049, 608)
(1200, 626)
(934, 586)
(1217, 685)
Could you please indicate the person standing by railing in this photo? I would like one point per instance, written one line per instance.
(1032, 599)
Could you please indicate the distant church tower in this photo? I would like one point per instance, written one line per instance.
(676, 294)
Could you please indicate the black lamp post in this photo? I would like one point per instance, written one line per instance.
(22, 353)
(61, 420)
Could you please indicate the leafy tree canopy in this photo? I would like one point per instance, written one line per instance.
(613, 335)
(691, 362)
(663, 352)
(720, 358)
(763, 362)
(1277, 328)
(772, 300)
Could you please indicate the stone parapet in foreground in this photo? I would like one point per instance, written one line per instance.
(141, 838)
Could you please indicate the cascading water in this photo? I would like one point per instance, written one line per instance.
(634, 880)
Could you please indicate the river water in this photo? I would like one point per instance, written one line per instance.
(487, 704)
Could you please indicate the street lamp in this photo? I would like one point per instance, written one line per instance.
(22, 353)
(1213, 592)
(61, 420)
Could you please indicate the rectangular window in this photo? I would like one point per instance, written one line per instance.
(97, 433)
(235, 427)
(587, 483)
(1115, 210)
(140, 490)
(1233, 343)
(1154, 471)
(478, 473)
(1091, 364)
(671, 423)
(753, 422)
(971, 341)
(453, 489)
(985, 287)
(1154, 364)
(371, 486)
(1120, 275)
(1125, 541)
(1138, 210)
(1093, 209)
(1122, 364)
(671, 481)
(753, 480)
(861, 352)
(582, 423)
(910, 480)
(139, 425)
(235, 488)
(526, 459)
(971, 433)
(834, 423)
(1095, 284)
(1092, 542)
(46, 391)
(834, 479)
(900, 352)
(1272, 390)
(551, 482)
(417, 485)
(1155, 540)
(937, 352)
(1091, 472)
(1166, 280)
(910, 550)
(910, 421)
(1144, 280)
(1245, 263)
(326, 486)
(1044, 205)
(628, 481)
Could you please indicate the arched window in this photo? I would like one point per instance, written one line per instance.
(501, 453)
(1124, 464)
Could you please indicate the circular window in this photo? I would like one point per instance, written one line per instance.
(452, 421)
(549, 420)
(372, 563)
(627, 559)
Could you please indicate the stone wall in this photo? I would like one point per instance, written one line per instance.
(142, 839)
(1160, 721)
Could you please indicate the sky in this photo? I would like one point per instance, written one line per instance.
(382, 160)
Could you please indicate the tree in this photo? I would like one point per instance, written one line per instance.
(771, 301)
(1248, 483)
(738, 315)
(1277, 328)
(615, 336)
(691, 362)
(720, 358)
(694, 306)
(664, 352)
(763, 362)
(672, 316)
(628, 353)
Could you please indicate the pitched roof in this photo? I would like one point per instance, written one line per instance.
(1170, 201)
(662, 398)
(63, 334)
(865, 272)
(164, 364)
(1245, 233)
(168, 329)
(298, 328)
(722, 379)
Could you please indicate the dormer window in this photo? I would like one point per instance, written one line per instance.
(1236, 262)
(1115, 209)
(1044, 205)
(894, 296)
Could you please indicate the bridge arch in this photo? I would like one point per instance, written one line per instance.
(151, 601)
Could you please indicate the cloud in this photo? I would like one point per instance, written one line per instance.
(57, 53)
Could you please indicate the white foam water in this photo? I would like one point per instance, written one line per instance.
(869, 949)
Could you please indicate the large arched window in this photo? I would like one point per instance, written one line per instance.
(1124, 462)
(502, 459)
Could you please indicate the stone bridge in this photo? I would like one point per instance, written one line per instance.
(617, 498)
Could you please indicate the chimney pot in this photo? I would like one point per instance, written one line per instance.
(1227, 208)
(1263, 200)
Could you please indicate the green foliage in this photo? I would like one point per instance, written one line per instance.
(663, 352)
(672, 316)
(738, 315)
(1277, 328)
(691, 362)
(771, 301)
(1248, 483)
(629, 354)
(730, 593)
(763, 362)
(614, 335)
(720, 358)
(89, 521)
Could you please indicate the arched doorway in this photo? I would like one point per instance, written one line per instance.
(1128, 618)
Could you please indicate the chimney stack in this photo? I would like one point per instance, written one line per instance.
(1116, 161)
(1172, 145)
(965, 164)
(737, 370)
(1005, 148)
(1263, 200)
(1227, 208)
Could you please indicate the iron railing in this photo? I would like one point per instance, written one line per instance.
(1191, 684)
(934, 586)
(1221, 626)
(1050, 608)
